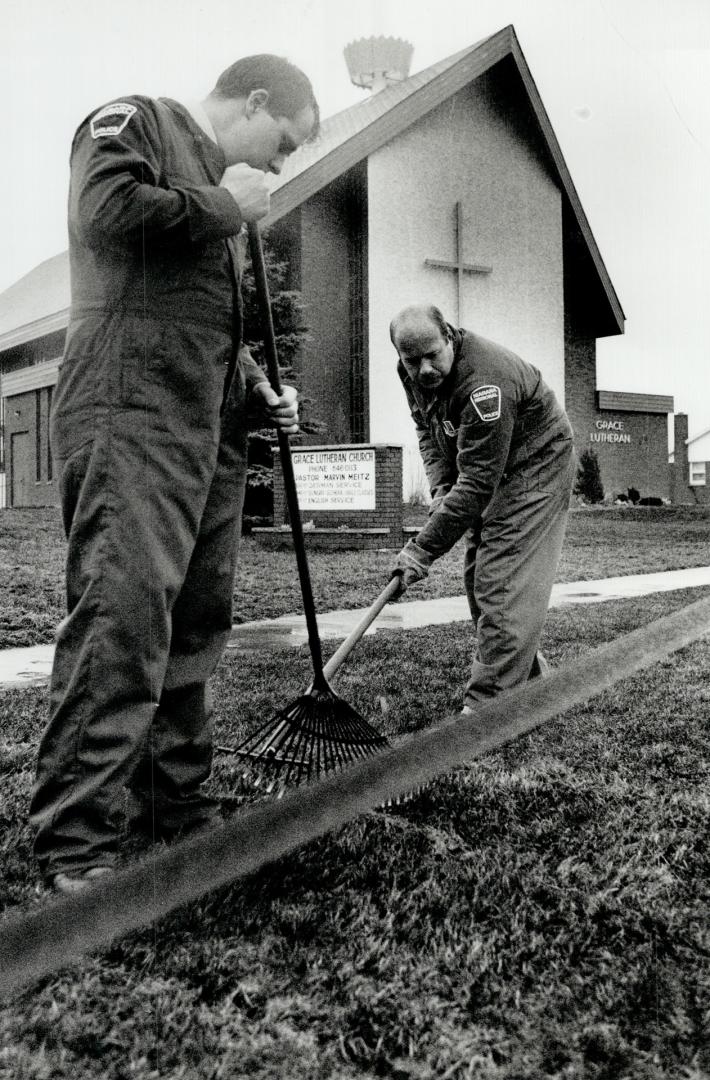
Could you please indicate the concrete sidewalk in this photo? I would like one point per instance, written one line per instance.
(31, 666)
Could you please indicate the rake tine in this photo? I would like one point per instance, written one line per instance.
(302, 763)
(294, 754)
(321, 762)
(337, 747)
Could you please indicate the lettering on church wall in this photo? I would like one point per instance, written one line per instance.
(335, 479)
(609, 431)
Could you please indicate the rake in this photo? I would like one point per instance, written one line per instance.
(319, 732)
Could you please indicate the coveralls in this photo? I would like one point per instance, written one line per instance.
(148, 432)
(498, 453)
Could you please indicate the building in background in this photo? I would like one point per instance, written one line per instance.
(34, 313)
(629, 435)
(446, 186)
(690, 465)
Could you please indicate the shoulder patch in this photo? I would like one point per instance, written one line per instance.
(112, 119)
(486, 402)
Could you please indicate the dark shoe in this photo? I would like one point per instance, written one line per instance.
(75, 881)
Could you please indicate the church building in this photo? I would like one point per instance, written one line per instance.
(448, 187)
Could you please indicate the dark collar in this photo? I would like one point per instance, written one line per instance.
(450, 380)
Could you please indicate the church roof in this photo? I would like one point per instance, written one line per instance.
(352, 135)
(38, 303)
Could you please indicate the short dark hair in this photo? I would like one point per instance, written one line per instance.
(289, 89)
(430, 311)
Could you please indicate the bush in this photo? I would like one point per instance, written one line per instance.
(589, 480)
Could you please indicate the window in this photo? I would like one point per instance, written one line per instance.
(697, 473)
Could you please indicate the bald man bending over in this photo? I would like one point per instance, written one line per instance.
(498, 453)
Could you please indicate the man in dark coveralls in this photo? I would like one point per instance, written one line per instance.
(498, 454)
(149, 435)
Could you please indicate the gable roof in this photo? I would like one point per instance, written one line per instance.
(695, 438)
(345, 139)
(352, 135)
(37, 304)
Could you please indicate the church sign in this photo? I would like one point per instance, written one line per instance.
(609, 431)
(335, 479)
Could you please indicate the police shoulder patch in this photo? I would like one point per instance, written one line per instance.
(486, 402)
(112, 119)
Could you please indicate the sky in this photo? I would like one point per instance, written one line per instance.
(626, 84)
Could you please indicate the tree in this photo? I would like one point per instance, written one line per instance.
(589, 479)
(291, 334)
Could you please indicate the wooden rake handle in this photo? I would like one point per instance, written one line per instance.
(343, 651)
(272, 370)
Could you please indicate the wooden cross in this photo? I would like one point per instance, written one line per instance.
(459, 266)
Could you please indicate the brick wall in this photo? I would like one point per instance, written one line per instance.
(580, 381)
(632, 449)
(32, 366)
(30, 480)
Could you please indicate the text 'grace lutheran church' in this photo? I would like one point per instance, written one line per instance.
(447, 186)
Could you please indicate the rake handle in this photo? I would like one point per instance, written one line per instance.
(272, 370)
(346, 647)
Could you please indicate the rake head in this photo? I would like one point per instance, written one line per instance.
(319, 733)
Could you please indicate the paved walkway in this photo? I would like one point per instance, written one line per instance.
(31, 666)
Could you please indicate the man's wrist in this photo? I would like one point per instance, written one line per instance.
(415, 554)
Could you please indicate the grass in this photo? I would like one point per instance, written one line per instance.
(540, 914)
(599, 543)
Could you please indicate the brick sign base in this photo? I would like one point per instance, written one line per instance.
(341, 507)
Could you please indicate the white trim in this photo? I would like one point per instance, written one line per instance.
(697, 473)
(30, 378)
(48, 324)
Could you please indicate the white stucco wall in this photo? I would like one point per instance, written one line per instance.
(463, 151)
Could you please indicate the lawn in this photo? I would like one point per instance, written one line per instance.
(599, 543)
(540, 914)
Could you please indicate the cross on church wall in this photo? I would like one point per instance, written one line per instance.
(460, 266)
